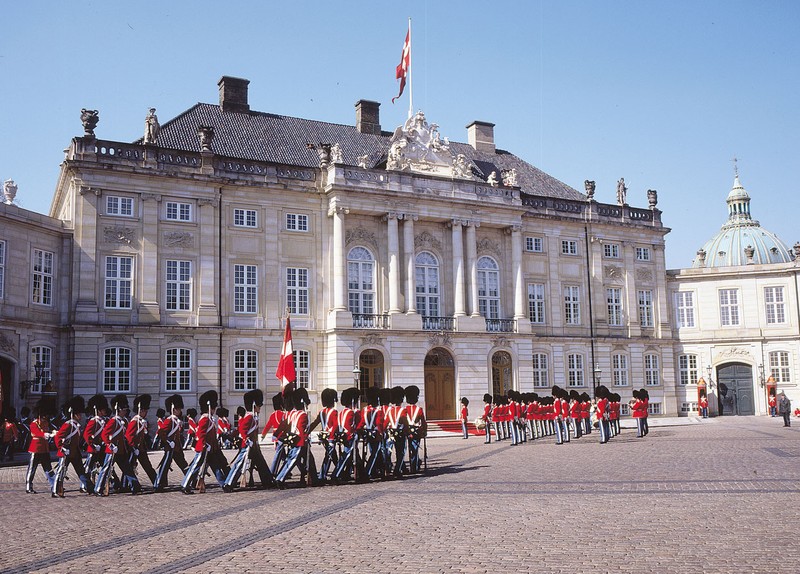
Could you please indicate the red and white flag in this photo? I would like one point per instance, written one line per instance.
(286, 372)
(405, 63)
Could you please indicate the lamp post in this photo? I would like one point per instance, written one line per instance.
(761, 375)
(596, 379)
(709, 368)
(38, 369)
(357, 376)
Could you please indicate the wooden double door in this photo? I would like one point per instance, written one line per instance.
(440, 385)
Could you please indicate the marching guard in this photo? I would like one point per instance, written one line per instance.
(68, 445)
(396, 430)
(417, 429)
(95, 452)
(487, 417)
(275, 423)
(169, 435)
(116, 449)
(39, 447)
(250, 449)
(297, 439)
(137, 437)
(372, 431)
(208, 452)
(328, 418)
(347, 434)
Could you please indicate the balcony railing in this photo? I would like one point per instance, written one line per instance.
(438, 324)
(500, 325)
(370, 321)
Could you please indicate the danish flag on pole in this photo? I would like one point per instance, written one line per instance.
(405, 62)
(286, 372)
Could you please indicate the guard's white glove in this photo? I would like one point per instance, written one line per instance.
(171, 444)
(114, 448)
(136, 451)
(65, 451)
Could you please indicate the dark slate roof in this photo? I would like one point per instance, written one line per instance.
(259, 136)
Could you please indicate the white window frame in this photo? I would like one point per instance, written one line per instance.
(652, 371)
(645, 297)
(488, 288)
(42, 267)
(689, 407)
(779, 367)
(117, 370)
(534, 244)
(118, 283)
(245, 288)
(297, 222)
(654, 408)
(44, 355)
(774, 305)
(614, 305)
(569, 247)
(643, 254)
(611, 250)
(624, 409)
(688, 371)
(572, 305)
(178, 211)
(297, 290)
(302, 364)
(361, 281)
(684, 309)
(619, 369)
(536, 303)
(575, 372)
(178, 367)
(119, 206)
(427, 289)
(245, 218)
(2, 268)
(729, 315)
(541, 373)
(179, 279)
(245, 370)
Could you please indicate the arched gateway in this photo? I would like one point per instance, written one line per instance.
(440, 385)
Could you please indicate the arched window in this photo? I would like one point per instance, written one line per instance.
(360, 281)
(427, 288)
(371, 364)
(502, 374)
(488, 288)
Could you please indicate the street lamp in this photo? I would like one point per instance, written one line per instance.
(709, 368)
(38, 369)
(596, 378)
(761, 375)
(356, 375)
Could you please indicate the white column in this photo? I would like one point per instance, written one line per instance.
(472, 264)
(338, 214)
(394, 266)
(411, 267)
(458, 269)
(516, 262)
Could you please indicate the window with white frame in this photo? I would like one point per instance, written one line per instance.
(540, 376)
(178, 374)
(427, 284)
(302, 365)
(569, 247)
(178, 211)
(643, 254)
(776, 311)
(652, 374)
(361, 281)
(687, 369)
(572, 305)
(245, 218)
(614, 302)
(245, 370)
(624, 409)
(488, 288)
(179, 285)
(2, 268)
(119, 282)
(44, 356)
(575, 370)
(729, 307)
(42, 278)
(684, 308)
(645, 307)
(689, 407)
(536, 303)
(611, 250)
(297, 290)
(534, 244)
(779, 366)
(121, 206)
(245, 288)
(654, 409)
(117, 373)
(619, 367)
(296, 222)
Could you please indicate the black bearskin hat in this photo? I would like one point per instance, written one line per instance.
(385, 396)
(222, 412)
(635, 394)
(253, 398)
(142, 403)
(329, 398)
(277, 402)
(208, 401)
(240, 411)
(372, 396)
(191, 413)
(487, 398)
(300, 398)
(97, 403)
(585, 398)
(173, 402)
(398, 394)
(120, 402)
(412, 394)
(76, 405)
(42, 409)
(161, 413)
(465, 401)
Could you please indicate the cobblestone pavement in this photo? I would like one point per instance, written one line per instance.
(721, 496)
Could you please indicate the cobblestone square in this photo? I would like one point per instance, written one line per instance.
(717, 496)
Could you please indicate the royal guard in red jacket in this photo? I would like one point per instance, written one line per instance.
(464, 417)
(586, 412)
(639, 411)
(275, 423)
(645, 395)
(372, 431)
(208, 452)
(613, 413)
(40, 446)
(95, 451)
(191, 428)
(417, 430)
(487, 418)
(328, 420)
(137, 437)
(170, 436)
(116, 449)
(601, 413)
(296, 438)
(396, 430)
(250, 450)
(68, 447)
(702, 405)
(575, 409)
(347, 434)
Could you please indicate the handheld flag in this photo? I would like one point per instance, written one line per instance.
(286, 372)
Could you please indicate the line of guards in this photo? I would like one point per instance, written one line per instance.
(360, 442)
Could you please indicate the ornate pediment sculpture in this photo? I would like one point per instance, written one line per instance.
(417, 146)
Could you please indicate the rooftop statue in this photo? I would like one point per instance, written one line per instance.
(89, 119)
(151, 127)
(417, 146)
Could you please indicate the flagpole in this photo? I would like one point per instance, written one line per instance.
(410, 84)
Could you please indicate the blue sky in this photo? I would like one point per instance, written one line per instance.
(664, 94)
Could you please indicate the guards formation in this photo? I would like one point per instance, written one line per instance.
(564, 415)
(380, 435)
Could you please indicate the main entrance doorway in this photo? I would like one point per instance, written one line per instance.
(502, 377)
(440, 385)
(735, 384)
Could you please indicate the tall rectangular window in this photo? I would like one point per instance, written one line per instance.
(536, 303)
(42, 277)
(614, 302)
(619, 364)
(177, 211)
(687, 369)
(302, 364)
(245, 218)
(2, 268)
(245, 370)
(534, 244)
(116, 370)
(179, 285)
(684, 308)
(540, 376)
(652, 374)
(296, 222)
(245, 288)
(645, 308)
(575, 370)
(775, 306)
(611, 250)
(729, 307)
(572, 305)
(43, 356)
(119, 282)
(779, 366)
(297, 290)
(178, 375)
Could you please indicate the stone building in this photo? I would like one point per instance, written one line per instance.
(400, 256)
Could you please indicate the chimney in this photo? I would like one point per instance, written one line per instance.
(481, 136)
(233, 94)
(368, 120)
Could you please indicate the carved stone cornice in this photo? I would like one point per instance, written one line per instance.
(501, 341)
(371, 339)
(485, 244)
(117, 337)
(360, 235)
(84, 189)
(426, 241)
(440, 340)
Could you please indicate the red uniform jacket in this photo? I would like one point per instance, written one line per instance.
(416, 419)
(464, 414)
(248, 427)
(68, 439)
(298, 425)
(371, 420)
(39, 442)
(575, 410)
(91, 434)
(206, 433)
(395, 417)
(135, 432)
(329, 419)
(223, 426)
(347, 423)
(114, 435)
(639, 409)
(192, 425)
(169, 431)
(487, 412)
(274, 422)
(586, 408)
(602, 409)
